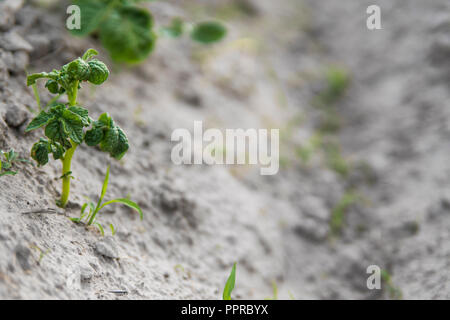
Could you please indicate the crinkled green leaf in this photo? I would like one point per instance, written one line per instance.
(57, 150)
(105, 120)
(52, 86)
(111, 137)
(73, 126)
(78, 69)
(98, 72)
(115, 142)
(83, 113)
(92, 13)
(208, 32)
(55, 131)
(127, 34)
(41, 120)
(93, 137)
(40, 151)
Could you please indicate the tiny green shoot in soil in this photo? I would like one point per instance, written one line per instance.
(229, 286)
(89, 217)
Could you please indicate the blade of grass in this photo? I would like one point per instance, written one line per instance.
(229, 286)
(126, 202)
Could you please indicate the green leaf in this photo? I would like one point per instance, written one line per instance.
(98, 72)
(8, 173)
(93, 137)
(82, 113)
(39, 152)
(208, 32)
(57, 150)
(41, 120)
(128, 203)
(105, 185)
(92, 14)
(229, 286)
(113, 230)
(100, 227)
(89, 54)
(31, 79)
(115, 142)
(55, 131)
(73, 126)
(52, 86)
(78, 69)
(127, 34)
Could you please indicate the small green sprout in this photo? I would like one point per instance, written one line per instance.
(274, 290)
(394, 292)
(7, 160)
(229, 286)
(89, 217)
(338, 213)
(42, 253)
(127, 31)
(337, 83)
(65, 123)
(335, 160)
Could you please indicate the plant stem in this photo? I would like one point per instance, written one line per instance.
(67, 162)
(72, 94)
(36, 95)
(67, 159)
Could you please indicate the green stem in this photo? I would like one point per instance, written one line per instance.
(72, 94)
(37, 97)
(67, 160)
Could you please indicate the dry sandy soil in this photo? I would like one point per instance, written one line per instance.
(384, 169)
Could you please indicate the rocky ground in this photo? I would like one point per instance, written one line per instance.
(365, 125)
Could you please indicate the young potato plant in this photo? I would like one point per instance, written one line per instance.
(89, 218)
(7, 160)
(69, 125)
(127, 31)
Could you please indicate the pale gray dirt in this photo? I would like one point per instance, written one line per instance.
(198, 220)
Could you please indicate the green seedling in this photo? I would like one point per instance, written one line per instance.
(127, 30)
(337, 82)
(338, 213)
(275, 291)
(42, 253)
(394, 292)
(335, 160)
(89, 217)
(65, 124)
(229, 286)
(7, 160)
(313, 145)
